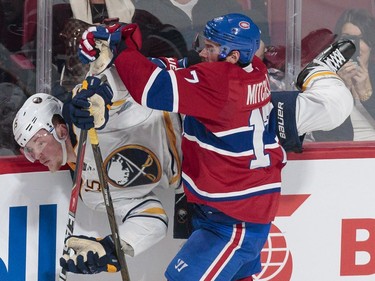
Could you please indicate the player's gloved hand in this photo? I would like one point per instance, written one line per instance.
(191, 59)
(88, 52)
(91, 255)
(89, 108)
(173, 63)
(118, 37)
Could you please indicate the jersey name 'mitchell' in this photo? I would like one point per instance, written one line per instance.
(258, 93)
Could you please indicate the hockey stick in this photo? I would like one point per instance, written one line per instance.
(77, 177)
(108, 203)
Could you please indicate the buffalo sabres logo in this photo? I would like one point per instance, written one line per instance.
(132, 165)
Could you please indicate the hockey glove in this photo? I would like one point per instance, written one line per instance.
(88, 51)
(191, 59)
(89, 108)
(118, 37)
(173, 63)
(91, 255)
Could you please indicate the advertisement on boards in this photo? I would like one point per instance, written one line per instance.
(324, 230)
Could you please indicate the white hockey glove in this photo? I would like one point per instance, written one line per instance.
(91, 255)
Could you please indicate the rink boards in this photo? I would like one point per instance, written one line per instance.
(325, 228)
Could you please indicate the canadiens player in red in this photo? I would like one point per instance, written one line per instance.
(232, 157)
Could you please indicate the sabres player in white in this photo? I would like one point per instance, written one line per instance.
(141, 151)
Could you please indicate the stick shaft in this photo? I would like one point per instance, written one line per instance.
(77, 178)
(108, 203)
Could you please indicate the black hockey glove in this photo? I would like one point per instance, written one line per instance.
(89, 108)
(92, 255)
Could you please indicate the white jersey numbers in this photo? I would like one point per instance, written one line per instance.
(258, 120)
(195, 77)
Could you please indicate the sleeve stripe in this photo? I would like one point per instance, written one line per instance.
(149, 85)
(175, 90)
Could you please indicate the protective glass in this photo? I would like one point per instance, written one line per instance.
(36, 145)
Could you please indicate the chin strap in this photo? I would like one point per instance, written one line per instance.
(63, 147)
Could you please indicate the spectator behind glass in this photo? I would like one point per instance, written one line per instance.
(85, 12)
(359, 76)
(158, 39)
(11, 24)
(95, 11)
(15, 58)
(82, 14)
(190, 16)
(11, 99)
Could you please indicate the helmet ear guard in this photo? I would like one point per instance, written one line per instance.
(234, 32)
(224, 52)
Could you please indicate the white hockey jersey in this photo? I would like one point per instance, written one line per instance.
(141, 150)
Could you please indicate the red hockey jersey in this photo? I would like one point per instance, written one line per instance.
(232, 159)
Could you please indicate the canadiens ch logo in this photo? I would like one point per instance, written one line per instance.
(244, 24)
(132, 165)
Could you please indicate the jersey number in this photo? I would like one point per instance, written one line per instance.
(258, 120)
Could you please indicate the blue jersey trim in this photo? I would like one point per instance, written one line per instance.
(236, 142)
(160, 94)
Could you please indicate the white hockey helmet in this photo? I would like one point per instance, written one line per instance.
(35, 114)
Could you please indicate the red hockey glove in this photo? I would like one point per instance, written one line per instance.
(88, 51)
(118, 37)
